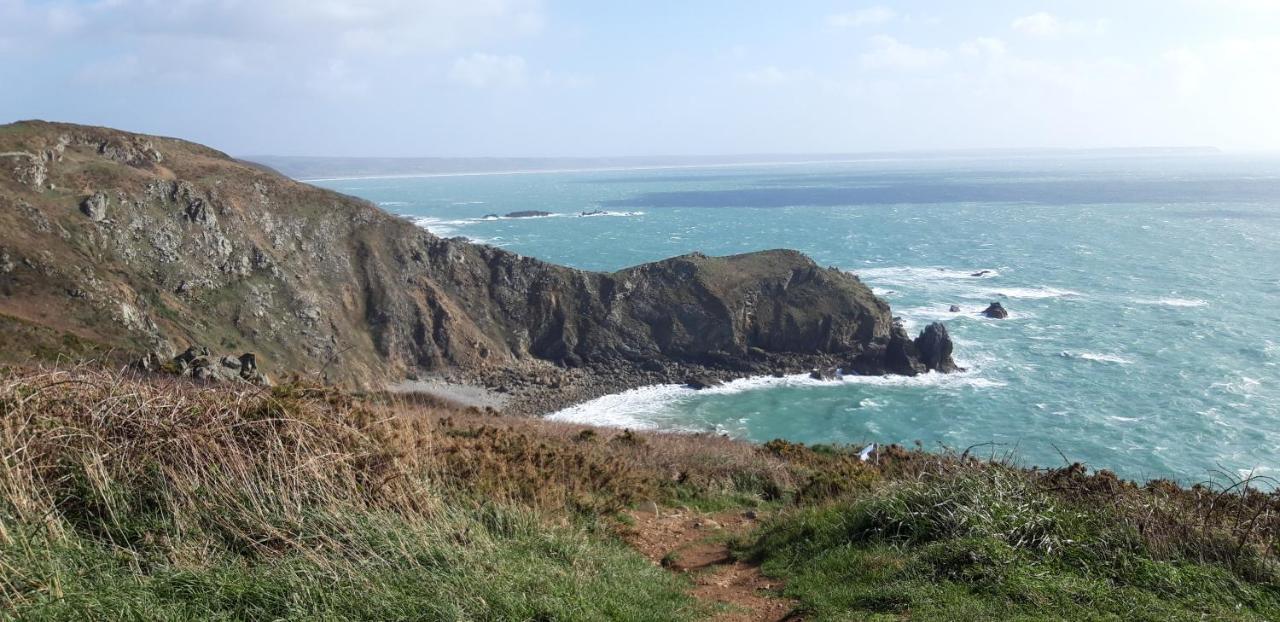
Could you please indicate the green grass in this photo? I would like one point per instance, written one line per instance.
(987, 544)
(122, 500)
(484, 564)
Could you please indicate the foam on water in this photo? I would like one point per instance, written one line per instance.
(1105, 269)
(642, 408)
(1098, 357)
(1172, 302)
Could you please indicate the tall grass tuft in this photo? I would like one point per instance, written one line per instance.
(133, 498)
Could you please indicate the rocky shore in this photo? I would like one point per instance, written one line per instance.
(150, 244)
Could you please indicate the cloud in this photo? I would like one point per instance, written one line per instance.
(489, 70)
(873, 16)
(889, 53)
(326, 44)
(1044, 25)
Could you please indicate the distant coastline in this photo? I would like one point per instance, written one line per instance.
(323, 168)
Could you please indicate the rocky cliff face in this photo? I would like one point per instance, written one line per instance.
(140, 242)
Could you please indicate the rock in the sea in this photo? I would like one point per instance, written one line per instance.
(700, 382)
(934, 347)
(954, 309)
(901, 356)
(996, 311)
(981, 273)
(95, 207)
(822, 374)
(527, 214)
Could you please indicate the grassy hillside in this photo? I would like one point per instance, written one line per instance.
(131, 498)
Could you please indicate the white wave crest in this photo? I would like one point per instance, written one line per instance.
(1098, 357)
(1172, 302)
(651, 407)
(1033, 293)
(907, 275)
(392, 203)
(595, 213)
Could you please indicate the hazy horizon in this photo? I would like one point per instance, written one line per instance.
(528, 78)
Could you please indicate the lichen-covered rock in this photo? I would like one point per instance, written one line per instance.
(95, 206)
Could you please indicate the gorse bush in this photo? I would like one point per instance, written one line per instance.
(984, 541)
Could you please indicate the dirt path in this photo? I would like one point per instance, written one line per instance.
(695, 543)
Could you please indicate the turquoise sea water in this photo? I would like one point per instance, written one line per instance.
(1144, 292)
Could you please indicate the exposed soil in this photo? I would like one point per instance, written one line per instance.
(692, 542)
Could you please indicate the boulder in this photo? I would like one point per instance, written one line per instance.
(95, 207)
(934, 347)
(901, 356)
(191, 354)
(981, 273)
(822, 374)
(954, 309)
(996, 311)
(701, 382)
(149, 362)
(527, 214)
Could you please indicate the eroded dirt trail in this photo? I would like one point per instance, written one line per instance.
(695, 543)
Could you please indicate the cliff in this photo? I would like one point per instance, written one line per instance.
(130, 242)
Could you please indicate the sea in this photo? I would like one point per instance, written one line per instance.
(1143, 292)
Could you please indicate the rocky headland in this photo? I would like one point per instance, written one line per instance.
(124, 244)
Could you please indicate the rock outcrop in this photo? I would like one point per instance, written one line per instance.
(196, 362)
(183, 244)
(934, 347)
(996, 311)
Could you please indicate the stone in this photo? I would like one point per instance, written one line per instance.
(981, 273)
(954, 309)
(822, 374)
(934, 347)
(901, 356)
(150, 362)
(95, 206)
(647, 507)
(701, 382)
(527, 214)
(231, 362)
(996, 311)
(192, 353)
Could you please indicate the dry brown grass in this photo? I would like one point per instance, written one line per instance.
(165, 472)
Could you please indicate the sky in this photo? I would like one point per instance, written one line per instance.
(660, 77)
